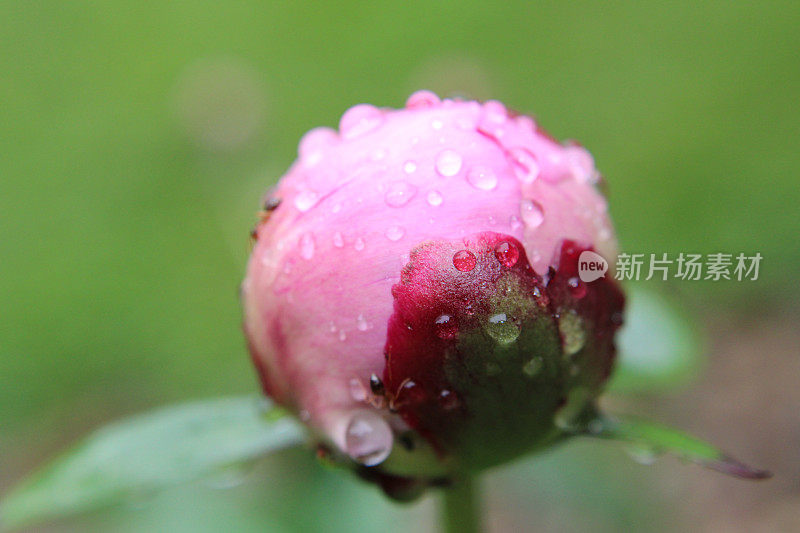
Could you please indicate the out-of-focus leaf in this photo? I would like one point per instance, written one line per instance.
(134, 457)
(658, 347)
(652, 439)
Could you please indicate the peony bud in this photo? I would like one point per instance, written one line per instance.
(413, 293)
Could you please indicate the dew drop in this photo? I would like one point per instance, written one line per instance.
(399, 193)
(422, 99)
(533, 366)
(501, 329)
(307, 246)
(464, 260)
(361, 323)
(409, 167)
(435, 198)
(507, 253)
(448, 400)
(359, 244)
(357, 390)
(532, 213)
(368, 438)
(514, 222)
(448, 163)
(359, 120)
(446, 327)
(395, 233)
(482, 178)
(338, 240)
(305, 200)
(576, 287)
(642, 454)
(573, 332)
(526, 168)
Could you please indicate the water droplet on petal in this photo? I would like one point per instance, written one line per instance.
(362, 323)
(305, 200)
(514, 222)
(357, 390)
(507, 253)
(526, 168)
(448, 163)
(435, 198)
(482, 178)
(399, 193)
(409, 167)
(464, 260)
(307, 246)
(501, 329)
(573, 332)
(576, 287)
(395, 233)
(532, 213)
(368, 438)
(533, 366)
(493, 119)
(446, 327)
(422, 99)
(359, 244)
(359, 120)
(338, 240)
(313, 142)
(642, 454)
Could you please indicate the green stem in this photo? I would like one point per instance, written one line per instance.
(461, 506)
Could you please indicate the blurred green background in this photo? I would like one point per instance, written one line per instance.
(137, 140)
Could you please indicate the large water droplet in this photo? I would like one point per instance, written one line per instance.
(359, 244)
(482, 178)
(507, 253)
(359, 120)
(526, 167)
(422, 99)
(395, 233)
(307, 246)
(532, 213)
(573, 332)
(368, 438)
(435, 198)
(338, 240)
(501, 329)
(464, 260)
(448, 163)
(305, 200)
(446, 327)
(399, 193)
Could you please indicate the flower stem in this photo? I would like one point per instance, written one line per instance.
(461, 506)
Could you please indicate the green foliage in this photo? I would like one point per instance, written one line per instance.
(137, 456)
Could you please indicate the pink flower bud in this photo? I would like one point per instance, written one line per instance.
(413, 292)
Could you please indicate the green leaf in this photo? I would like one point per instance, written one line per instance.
(655, 438)
(659, 348)
(137, 456)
